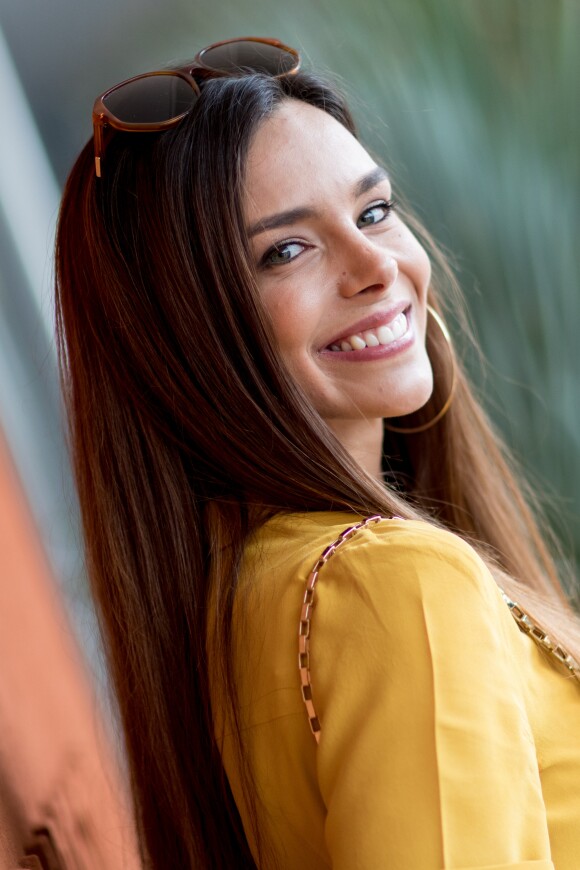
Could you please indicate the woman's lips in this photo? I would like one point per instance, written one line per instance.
(390, 336)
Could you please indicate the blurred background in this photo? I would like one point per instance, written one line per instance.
(473, 105)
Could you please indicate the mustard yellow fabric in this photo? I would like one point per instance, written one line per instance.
(448, 739)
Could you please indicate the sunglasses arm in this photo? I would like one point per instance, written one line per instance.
(99, 125)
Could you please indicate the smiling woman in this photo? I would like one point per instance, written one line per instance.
(351, 284)
(244, 314)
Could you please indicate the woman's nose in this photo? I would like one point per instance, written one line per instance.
(366, 267)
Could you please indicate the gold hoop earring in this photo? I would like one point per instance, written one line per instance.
(424, 426)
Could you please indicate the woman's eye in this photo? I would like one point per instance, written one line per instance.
(281, 253)
(376, 213)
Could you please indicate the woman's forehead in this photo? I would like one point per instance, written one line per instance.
(298, 154)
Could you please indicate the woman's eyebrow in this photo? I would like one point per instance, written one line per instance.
(370, 180)
(282, 219)
(293, 215)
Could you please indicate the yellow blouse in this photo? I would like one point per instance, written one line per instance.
(449, 739)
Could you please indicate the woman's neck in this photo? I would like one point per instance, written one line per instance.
(364, 441)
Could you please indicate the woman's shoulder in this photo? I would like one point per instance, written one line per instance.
(410, 573)
(308, 529)
(394, 595)
(381, 553)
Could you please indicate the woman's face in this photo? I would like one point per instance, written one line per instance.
(341, 277)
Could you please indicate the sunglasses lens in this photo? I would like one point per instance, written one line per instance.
(245, 55)
(151, 99)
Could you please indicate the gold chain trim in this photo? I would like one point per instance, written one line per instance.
(537, 633)
(523, 620)
(306, 617)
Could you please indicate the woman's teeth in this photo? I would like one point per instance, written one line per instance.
(373, 337)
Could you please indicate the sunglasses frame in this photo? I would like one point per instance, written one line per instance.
(194, 73)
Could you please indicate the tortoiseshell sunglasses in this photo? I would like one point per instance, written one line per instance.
(158, 100)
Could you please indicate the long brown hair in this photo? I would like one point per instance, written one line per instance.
(186, 432)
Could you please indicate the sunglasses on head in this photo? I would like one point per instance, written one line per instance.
(159, 100)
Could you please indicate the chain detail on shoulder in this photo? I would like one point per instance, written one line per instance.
(523, 620)
(530, 627)
(306, 617)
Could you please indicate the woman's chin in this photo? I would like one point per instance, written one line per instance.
(413, 398)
